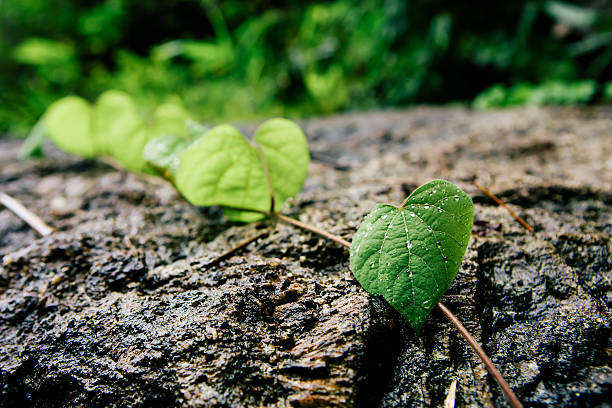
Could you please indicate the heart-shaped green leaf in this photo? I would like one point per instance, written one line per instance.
(410, 255)
(222, 168)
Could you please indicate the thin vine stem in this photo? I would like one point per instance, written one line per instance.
(453, 319)
(483, 356)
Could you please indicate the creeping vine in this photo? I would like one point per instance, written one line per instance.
(409, 255)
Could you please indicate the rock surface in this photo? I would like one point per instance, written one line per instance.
(128, 305)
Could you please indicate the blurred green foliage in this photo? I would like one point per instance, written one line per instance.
(547, 93)
(235, 59)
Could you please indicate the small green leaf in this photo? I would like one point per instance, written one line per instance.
(410, 255)
(285, 149)
(68, 125)
(42, 51)
(162, 152)
(222, 168)
(170, 119)
(242, 216)
(120, 129)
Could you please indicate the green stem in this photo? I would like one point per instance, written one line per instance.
(453, 319)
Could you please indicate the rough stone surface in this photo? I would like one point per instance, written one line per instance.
(128, 305)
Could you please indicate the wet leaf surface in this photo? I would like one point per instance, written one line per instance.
(410, 255)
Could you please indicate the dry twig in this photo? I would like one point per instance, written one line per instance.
(26, 215)
(449, 401)
(236, 248)
(514, 402)
(501, 203)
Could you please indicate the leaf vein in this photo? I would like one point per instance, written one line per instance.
(443, 210)
(432, 230)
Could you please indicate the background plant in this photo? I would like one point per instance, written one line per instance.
(244, 59)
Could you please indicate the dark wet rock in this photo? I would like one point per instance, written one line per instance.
(128, 303)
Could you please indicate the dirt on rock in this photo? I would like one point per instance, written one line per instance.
(128, 305)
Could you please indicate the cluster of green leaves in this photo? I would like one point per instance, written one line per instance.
(410, 255)
(236, 59)
(113, 127)
(210, 167)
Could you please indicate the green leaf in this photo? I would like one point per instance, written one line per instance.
(242, 216)
(285, 149)
(120, 129)
(410, 255)
(42, 51)
(162, 152)
(329, 89)
(491, 98)
(170, 119)
(175, 133)
(222, 168)
(68, 125)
